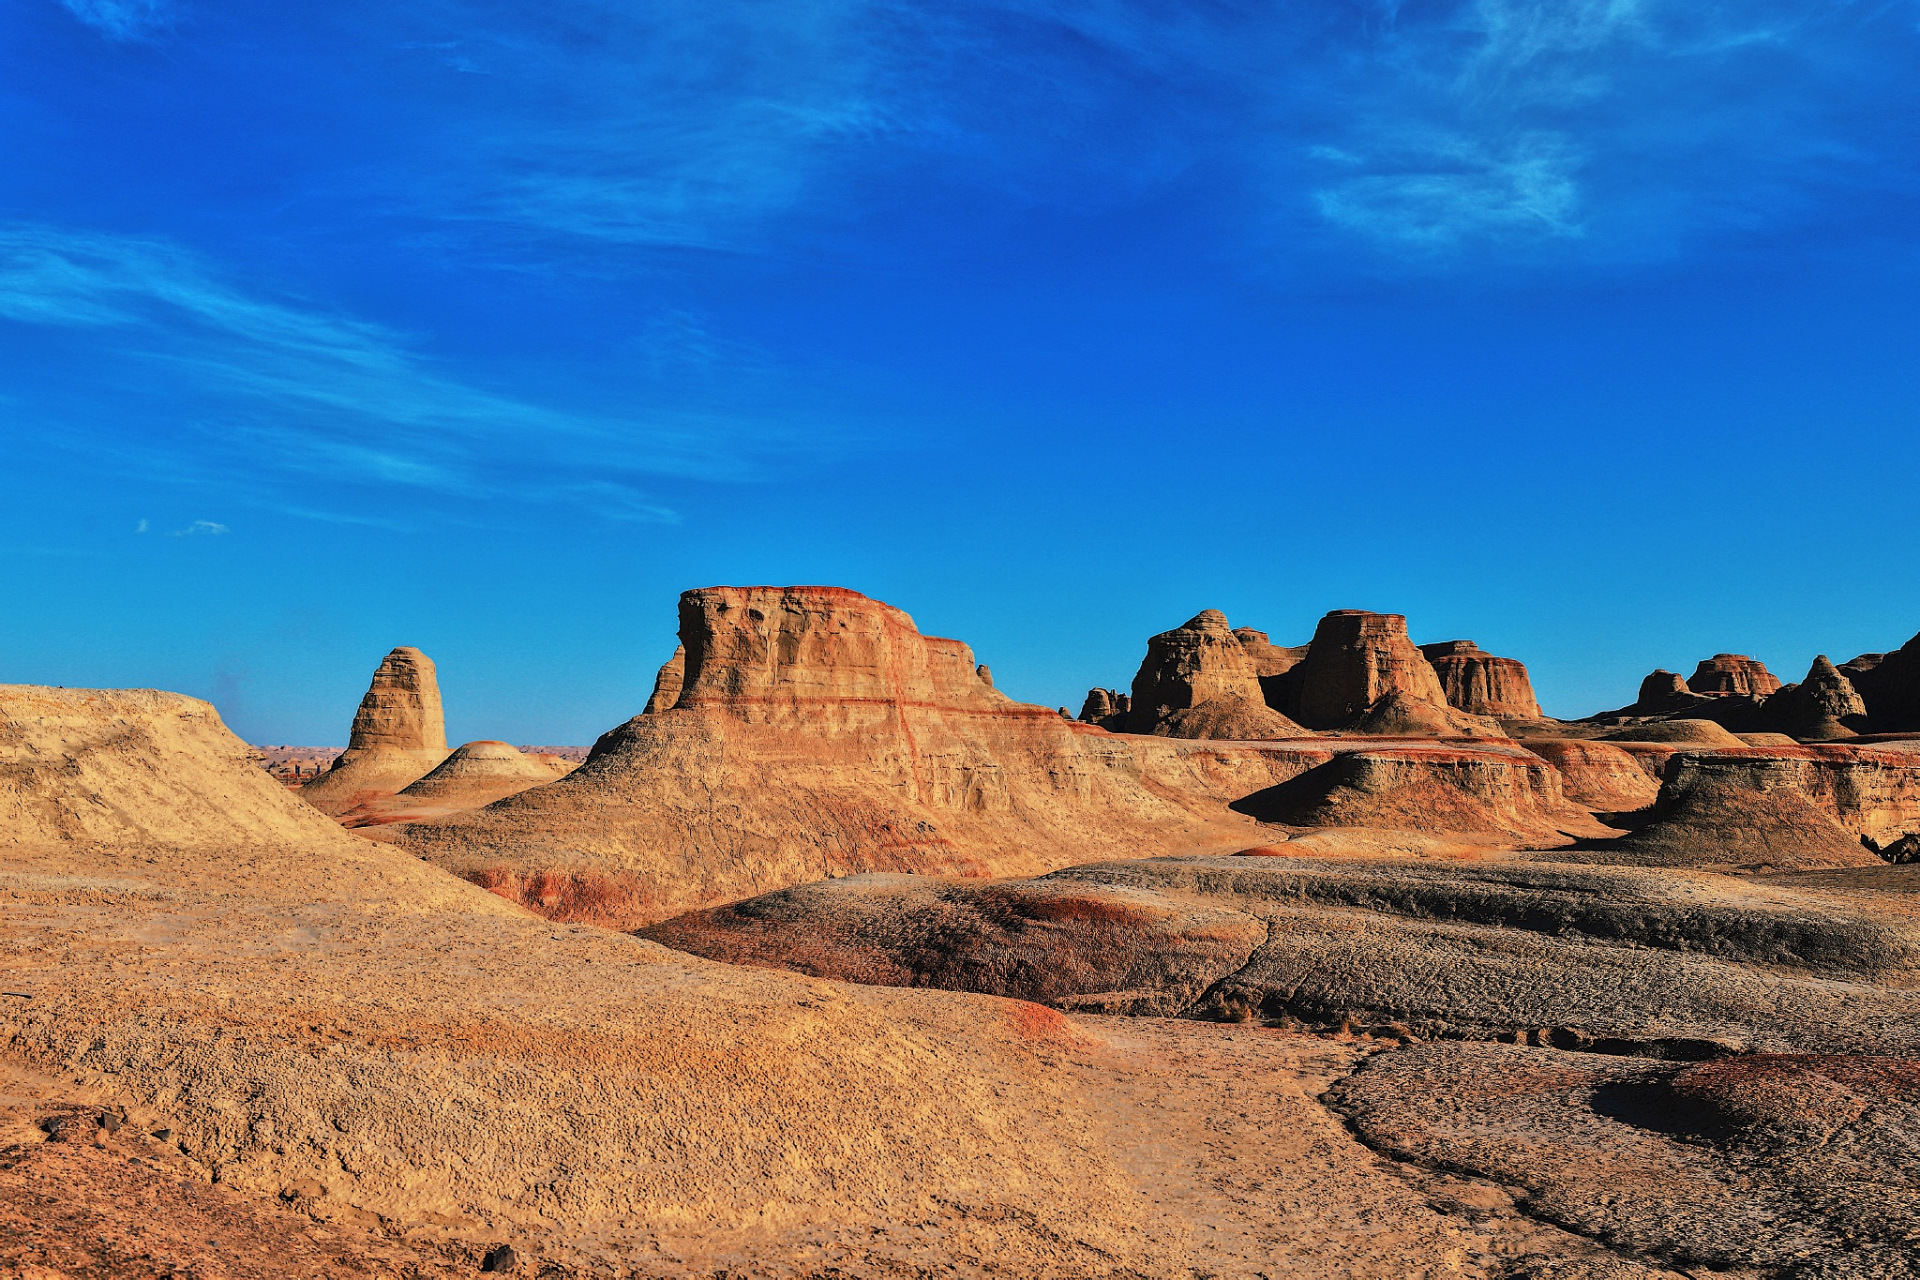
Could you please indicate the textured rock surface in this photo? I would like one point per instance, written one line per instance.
(474, 775)
(1890, 688)
(1355, 659)
(1490, 790)
(399, 734)
(1429, 948)
(1733, 673)
(1400, 716)
(1663, 691)
(1759, 809)
(1823, 706)
(1273, 665)
(1702, 733)
(1200, 681)
(819, 733)
(1480, 684)
(1597, 775)
(333, 1026)
(1106, 708)
(666, 685)
(1790, 1165)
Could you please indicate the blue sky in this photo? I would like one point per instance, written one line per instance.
(1587, 330)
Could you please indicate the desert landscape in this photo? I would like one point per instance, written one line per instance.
(1331, 959)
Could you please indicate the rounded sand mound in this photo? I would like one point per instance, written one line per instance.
(1704, 733)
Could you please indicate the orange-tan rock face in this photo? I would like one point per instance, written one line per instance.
(1480, 684)
(1200, 681)
(399, 734)
(1823, 706)
(1736, 673)
(1597, 775)
(818, 733)
(1355, 659)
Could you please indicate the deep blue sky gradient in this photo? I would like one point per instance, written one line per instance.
(1584, 329)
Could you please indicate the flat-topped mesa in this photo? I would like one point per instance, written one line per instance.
(1733, 673)
(1199, 681)
(1355, 659)
(398, 735)
(1889, 684)
(1823, 706)
(1481, 684)
(822, 656)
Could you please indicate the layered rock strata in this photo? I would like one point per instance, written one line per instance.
(819, 733)
(1199, 681)
(1355, 659)
(399, 734)
(1733, 673)
(1597, 775)
(1480, 684)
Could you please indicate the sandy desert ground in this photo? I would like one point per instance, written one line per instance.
(1335, 959)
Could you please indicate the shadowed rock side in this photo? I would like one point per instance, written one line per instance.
(1355, 659)
(1272, 664)
(1480, 684)
(1600, 958)
(1597, 775)
(1199, 681)
(399, 734)
(819, 733)
(1788, 1165)
(1889, 684)
(1822, 707)
(1733, 673)
(666, 685)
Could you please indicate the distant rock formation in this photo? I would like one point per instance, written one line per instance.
(1661, 692)
(1480, 684)
(666, 685)
(1199, 681)
(1733, 673)
(1355, 659)
(1822, 707)
(399, 734)
(1704, 733)
(1890, 687)
(1750, 808)
(474, 775)
(1106, 708)
(817, 732)
(1399, 715)
(1597, 775)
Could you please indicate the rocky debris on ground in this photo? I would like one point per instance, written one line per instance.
(399, 734)
(1481, 684)
(1789, 1165)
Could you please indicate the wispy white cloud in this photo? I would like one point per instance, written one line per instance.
(290, 389)
(201, 529)
(122, 19)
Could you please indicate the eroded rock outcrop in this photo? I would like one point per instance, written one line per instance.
(1890, 687)
(399, 734)
(1480, 684)
(1355, 659)
(1733, 673)
(1399, 715)
(1107, 708)
(819, 733)
(1597, 775)
(1200, 681)
(1823, 706)
(666, 685)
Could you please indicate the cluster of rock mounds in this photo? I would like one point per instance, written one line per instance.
(397, 767)
(1875, 693)
(1359, 674)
